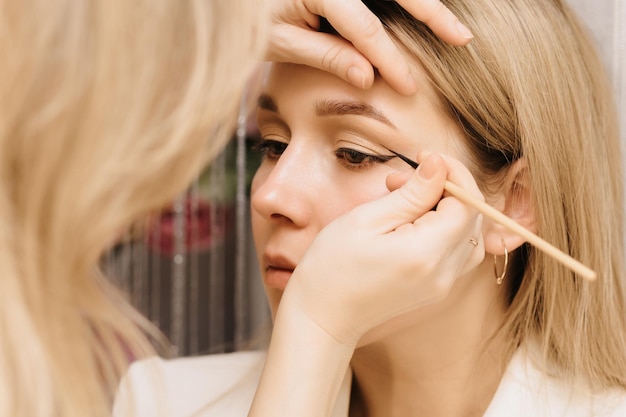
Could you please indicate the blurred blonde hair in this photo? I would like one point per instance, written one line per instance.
(531, 85)
(108, 109)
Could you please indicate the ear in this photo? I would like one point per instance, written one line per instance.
(515, 201)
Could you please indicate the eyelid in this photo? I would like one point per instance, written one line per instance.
(267, 119)
(376, 156)
(274, 132)
(367, 145)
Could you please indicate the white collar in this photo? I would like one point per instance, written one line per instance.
(526, 391)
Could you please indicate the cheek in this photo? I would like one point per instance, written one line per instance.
(365, 187)
(343, 190)
(259, 225)
(257, 179)
(348, 196)
(260, 231)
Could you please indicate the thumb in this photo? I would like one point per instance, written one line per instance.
(408, 203)
(398, 179)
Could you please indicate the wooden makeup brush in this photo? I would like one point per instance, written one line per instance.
(510, 224)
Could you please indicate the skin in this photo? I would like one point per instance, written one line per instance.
(408, 364)
(287, 192)
(365, 44)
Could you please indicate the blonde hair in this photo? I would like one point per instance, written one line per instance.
(108, 109)
(531, 85)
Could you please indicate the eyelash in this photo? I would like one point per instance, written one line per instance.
(355, 160)
(350, 158)
(270, 149)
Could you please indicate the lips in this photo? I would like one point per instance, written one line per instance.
(278, 270)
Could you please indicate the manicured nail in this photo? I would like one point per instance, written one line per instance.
(356, 77)
(464, 31)
(427, 169)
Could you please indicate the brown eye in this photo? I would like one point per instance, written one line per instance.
(353, 159)
(271, 149)
(352, 156)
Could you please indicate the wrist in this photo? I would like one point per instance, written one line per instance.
(304, 360)
(332, 314)
(316, 325)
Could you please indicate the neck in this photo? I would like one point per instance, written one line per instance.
(444, 362)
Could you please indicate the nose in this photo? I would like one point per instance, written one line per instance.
(282, 190)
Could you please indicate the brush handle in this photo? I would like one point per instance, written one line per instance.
(529, 236)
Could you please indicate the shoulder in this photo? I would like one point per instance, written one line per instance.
(207, 385)
(527, 391)
(610, 404)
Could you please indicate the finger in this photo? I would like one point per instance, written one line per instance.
(447, 235)
(407, 203)
(356, 23)
(477, 251)
(458, 174)
(440, 19)
(453, 225)
(450, 206)
(398, 179)
(323, 51)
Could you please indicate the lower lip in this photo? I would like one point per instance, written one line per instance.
(277, 277)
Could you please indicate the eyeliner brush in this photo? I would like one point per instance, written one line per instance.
(513, 226)
(409, 161)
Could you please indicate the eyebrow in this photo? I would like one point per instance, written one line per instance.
(357, 108)
(266, 102)
(334, 108)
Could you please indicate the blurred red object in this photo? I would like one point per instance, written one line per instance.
(199, 232)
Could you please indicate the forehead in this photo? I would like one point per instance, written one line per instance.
(298, 78)
(303, 95)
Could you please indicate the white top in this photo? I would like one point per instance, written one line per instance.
(223, 385)
(526, 391)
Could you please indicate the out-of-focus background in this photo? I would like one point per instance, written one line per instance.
(193, 270)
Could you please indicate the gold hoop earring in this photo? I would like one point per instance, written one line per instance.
(500, 277)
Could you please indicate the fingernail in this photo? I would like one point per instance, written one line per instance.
(356, 76)
(427, 169)
(464, 31)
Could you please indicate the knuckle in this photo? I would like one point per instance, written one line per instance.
(332, 58)
(371, 27)
(466, 216)
(412, 198)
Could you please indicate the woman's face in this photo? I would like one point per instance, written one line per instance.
(326, 147)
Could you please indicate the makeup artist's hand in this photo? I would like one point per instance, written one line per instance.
(294, 38)
(391, 255)
(377, 261)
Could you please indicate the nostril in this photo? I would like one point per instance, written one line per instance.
(280, 217)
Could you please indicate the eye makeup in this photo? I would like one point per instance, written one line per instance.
(269, 148)
(352, 158)
(510, 224)
(409, 161)
(355, 160)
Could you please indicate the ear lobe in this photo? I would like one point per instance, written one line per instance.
(515, 201)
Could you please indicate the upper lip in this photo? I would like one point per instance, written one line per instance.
(278, 261)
